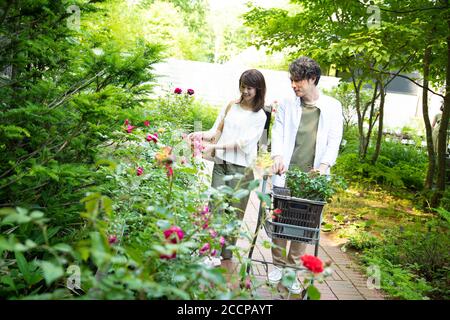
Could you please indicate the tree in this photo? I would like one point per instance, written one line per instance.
(370, 52)
(68, 84)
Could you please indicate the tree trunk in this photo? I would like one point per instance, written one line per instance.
(442, 138)
(357, 88)
(369, 130)
(380, 124)
(426, 119)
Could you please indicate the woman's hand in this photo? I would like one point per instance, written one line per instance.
(194, 136)
(208, 148)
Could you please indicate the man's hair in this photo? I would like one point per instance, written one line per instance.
(305, 68)
(255, 79)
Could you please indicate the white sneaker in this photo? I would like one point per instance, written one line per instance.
(275, 275)
(211, 261)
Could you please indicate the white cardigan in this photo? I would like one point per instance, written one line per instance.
(329, 132)
(244, 127)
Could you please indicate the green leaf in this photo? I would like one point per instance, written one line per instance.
(253, 185)
(313, 293)
(51, 271)
(240, 194)
(63, 247)
(327, 227)
(22, 264)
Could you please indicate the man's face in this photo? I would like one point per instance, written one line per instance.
(302, 87)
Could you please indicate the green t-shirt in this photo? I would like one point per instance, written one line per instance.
(305, 142)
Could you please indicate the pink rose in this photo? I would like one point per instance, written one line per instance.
(146, 123)
(130, 128)
(140, 171)
(222, 241)
(152, 137)
(213, 233)
(174, 234)
(205, 248)
(169, 171)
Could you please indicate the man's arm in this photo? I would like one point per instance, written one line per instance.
(277, 140)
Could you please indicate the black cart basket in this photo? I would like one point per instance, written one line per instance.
(299, 219)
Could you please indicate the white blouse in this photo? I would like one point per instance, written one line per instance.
(244, 127)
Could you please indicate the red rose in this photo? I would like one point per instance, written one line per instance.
(112, 239)
(127, 122)
(168, 257)
(178, 91)
(312, 263)
(140, 171)
(190, 92)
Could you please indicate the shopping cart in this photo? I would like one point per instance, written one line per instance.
(300, 221)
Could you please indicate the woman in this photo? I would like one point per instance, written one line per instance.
(234, 137)
(435, 126)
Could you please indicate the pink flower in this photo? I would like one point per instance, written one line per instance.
(130, 128)
(248, 283)
(174, 234)
(277, 211)
(152, 137)
(127, 122)
(146, 123)
(213, 233)
(112, 239)
(205, 226)
(178, 91)
(190, 92)
(214, 252)
(205, 248)
(169, 171)
(205, 210)
(222, 241)
(140, 171)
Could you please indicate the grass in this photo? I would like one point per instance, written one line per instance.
(353, 211)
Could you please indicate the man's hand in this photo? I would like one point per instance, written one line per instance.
(323, 168)
(278, 165)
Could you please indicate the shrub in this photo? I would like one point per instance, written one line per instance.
(312, 186)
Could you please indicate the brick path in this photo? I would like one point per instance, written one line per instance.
(346, 283)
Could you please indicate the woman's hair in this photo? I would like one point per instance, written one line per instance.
(255, 79)
(305, 68)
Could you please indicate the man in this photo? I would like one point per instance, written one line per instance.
(306, 134)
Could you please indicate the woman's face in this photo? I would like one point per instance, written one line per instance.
(248, 93)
